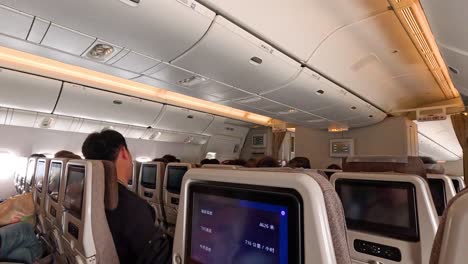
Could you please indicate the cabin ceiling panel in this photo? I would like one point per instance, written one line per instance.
(153, 28)
(14, 23)
(29, 92)
(80, 101)
(427, 147)
(448, 24)
(442, 133)
(180, 119)
(378, 51)
(233, 56)
(293, 27)
(64, 39)
(136, 62)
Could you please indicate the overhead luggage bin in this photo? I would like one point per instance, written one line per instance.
(14, 23)
(378, 54)
(153, 28)
(180, 119)
(230, 55)
(84, 102)
(299, 27)
(198, 84)
(71, 41)
(16, 91)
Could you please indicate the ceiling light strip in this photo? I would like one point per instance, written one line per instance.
(411, 15)
(14, 59)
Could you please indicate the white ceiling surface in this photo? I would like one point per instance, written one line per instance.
(76, 108)
(448, 24)
(153, 45)
(438, 140)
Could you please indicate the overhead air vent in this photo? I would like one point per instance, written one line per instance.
(100, 52)
(47, 122)
(191, 81)
(255, 61)
(155, 135)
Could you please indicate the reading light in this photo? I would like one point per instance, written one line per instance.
(143, 159)
(191, 81)
(14, 59)
(413, 19)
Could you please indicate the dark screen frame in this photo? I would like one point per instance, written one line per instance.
(440, 211)
(39, 188)
(401, 233)
(72, 212)
(456, 185)
(278, 196)
(51, 167)
(148, 184)
(170, 188)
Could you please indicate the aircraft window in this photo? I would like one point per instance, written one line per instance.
(40, 172)
(385, 208)
(55, 173)
(242, 225)
(437, 187)
(174, 178)
(74, 190)
(148, 176)
(456, 184)
(11, 164)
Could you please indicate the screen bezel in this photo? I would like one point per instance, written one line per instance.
(170, 189)
(69, 210)
(51, 167)
(444, 194)
(456, 185)
(39, 188)
(401, 233)
(278, 196)
(146, 184)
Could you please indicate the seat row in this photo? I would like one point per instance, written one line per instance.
(373, 212)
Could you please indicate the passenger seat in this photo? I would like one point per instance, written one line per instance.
(452, 236)
(90, 188)
(389, 210)
(259, 217)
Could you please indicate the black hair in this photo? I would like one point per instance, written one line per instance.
(205, 161)
(160, 160)
(267, 162)
(66, 154)
(170, 158)
(214, 161)
(299, 162)
(104, 145)
(37, 155)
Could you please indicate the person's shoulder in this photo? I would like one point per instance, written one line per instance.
(131, 199)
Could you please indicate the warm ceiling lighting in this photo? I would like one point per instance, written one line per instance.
(26, 62)
(413, 19)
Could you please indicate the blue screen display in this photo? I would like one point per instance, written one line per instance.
(227, 230)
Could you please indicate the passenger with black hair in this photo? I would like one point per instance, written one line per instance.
(170, 158)
(267, 162)
(65, 154)
(131, 223)
(214, 161)
(160, 160)
(205, 161)
(299, 162)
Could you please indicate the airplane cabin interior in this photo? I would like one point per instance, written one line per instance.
(266, 132)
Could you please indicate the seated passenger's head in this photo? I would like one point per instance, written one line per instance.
(205, 161)
(65, 154)
(37, 155)
(267, 162)
(160, 160)
(251, 163)
(214, 161)
(332, 167)
(110, 145)
(170, 158)
(299, 162)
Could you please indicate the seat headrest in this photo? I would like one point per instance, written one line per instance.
(407, 165)
(434, 168)
(111, 193)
